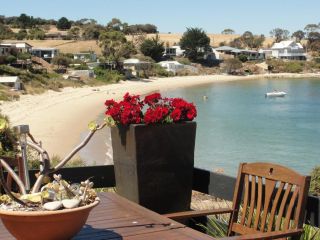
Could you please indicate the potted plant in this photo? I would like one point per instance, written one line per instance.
(153, 150)
(53, 211)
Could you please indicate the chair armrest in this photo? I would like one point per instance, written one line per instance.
(266, 235)
(196, 213)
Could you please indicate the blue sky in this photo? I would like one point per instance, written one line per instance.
(175, 15)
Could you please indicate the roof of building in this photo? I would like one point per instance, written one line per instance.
(169, 62)
(226, 48)
(44, 48)
(133, 61)
(9, 79)
(286, 44)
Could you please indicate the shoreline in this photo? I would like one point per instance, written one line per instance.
(59, 118)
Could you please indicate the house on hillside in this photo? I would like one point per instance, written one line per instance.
(5, 49)
(23, 47)
(12, 81)
(45, 53)
(85, 56)
(288, 50)
(134, 67)
(173, 51)
(226, 52)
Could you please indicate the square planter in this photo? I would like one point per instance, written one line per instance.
(154, 164)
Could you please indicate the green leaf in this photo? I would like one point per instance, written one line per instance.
(92, 126)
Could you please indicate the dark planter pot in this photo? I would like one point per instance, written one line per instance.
(154, 164)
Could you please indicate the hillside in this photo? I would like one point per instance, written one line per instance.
(73, 46)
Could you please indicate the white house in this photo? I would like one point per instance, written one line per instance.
(288, 50)
(5, 49)
(171, 66)
(173, 51)
(85, 56)
(45, 53)
(23, 47)
(13, 82)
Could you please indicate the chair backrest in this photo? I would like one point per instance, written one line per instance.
(268, 197)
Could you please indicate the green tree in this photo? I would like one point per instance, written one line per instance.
(25, 21)
(22, 34)
(63, 24)
(61, 61)
(195, 42)
(74, 33)
(115, 46)
(91, 31)
(311, 28)
(280, 34)
(227, 31)
(36, 33)
(298, 35)
(6, 32)
(153, 48)
(115, 24)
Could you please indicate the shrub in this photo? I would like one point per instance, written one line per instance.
(159, 71)
(10, 59)
(106, 75)
(315, 181)
(242, 58)
(293, 67)
(8, 138)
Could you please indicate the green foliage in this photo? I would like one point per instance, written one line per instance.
(6, 32)
(227, 31)
(10, 59)
(63, 24)
(81, 67)
(183, 60)
(8, 138)
(61, 61)
(153, 48)
(74, 33)
(115, 46)
(298, 35)
(293, 67)
(195, 42)
(37, 34)
(315, 181)
(242, 58)
(310, 233)
(140, 28)
(23, 56)
(22, 34)
(108, 76)
(248, 40)
(157, 70)
(92, 31)
(280, 66)
(279, 34)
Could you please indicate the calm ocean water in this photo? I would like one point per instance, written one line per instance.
(238, 124)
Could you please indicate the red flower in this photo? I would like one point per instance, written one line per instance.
(175, 115)
(152, 99)
(159, 110)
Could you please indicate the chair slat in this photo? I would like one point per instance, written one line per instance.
(245, 199)
(282, 206)
(259, 203)
(290, 207)
(274, 206)
(252, 202)
(269, 187)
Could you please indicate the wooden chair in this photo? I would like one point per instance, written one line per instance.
(268, 203)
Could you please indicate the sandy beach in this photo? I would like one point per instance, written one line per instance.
(58, 118)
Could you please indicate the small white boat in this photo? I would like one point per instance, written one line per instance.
(276, 94)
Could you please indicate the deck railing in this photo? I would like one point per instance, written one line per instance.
(215, 184)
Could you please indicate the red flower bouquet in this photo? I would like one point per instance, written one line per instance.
(153, 109)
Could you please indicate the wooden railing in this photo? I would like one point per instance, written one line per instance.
(218, 185)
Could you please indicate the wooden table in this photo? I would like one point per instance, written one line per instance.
(117, 218)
